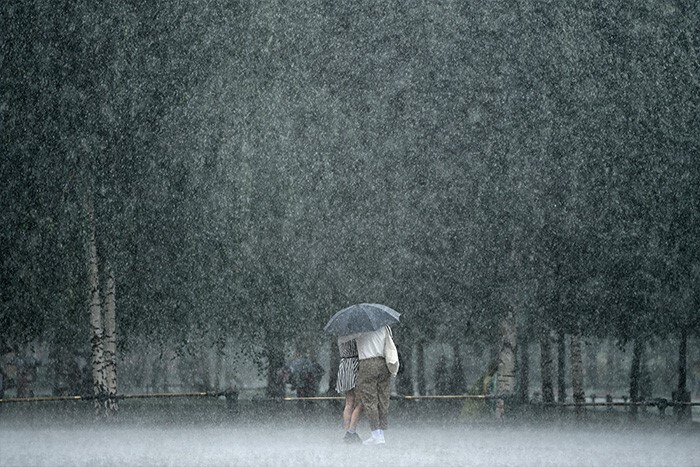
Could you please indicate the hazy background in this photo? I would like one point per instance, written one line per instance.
(255, 166)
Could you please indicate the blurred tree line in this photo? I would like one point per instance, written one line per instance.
(254, 166)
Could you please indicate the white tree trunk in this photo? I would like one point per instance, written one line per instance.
(506, 357)
(505, 376)
(110, 342)
(95, 311)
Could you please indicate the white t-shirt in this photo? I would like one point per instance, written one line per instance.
(369, 344)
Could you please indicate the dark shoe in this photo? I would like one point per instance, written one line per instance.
(352, 438)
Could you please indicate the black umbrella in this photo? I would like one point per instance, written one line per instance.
(364, 317)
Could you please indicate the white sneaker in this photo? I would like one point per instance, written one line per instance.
(373, 441)
(377, 438)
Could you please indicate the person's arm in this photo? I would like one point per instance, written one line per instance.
(342, 339)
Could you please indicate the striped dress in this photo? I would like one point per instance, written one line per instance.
(349, 363)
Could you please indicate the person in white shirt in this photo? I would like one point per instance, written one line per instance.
(373, 379)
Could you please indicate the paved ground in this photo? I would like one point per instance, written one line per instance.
(211, 433)
(290, 444)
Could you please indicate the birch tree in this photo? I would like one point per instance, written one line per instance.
(110, 341)
(506, 380)
(95, 315)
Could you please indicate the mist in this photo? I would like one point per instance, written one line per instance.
(286, 442)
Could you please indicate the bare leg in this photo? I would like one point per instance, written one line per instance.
(349, 408)
(356, 414)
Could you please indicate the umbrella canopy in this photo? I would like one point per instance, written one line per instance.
(363, 317)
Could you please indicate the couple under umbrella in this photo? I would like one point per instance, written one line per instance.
(368, 360)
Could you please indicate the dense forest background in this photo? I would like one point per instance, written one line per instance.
(254, 166)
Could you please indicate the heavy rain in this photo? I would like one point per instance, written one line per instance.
(190, 191)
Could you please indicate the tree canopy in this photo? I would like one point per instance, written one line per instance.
(257, 166)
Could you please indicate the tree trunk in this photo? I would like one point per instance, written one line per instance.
(404, 380)
(420, 368)
(577, 371)
(217, 381)
(635, 374)
(682, 394)
(110, 343)
(546, 368)
(458, 382)
(147, 370)
(561, 368)
(506, 358)
(682, 362)
(524, 368)
(210, 372)
(95, 316)
(334, 364)
(592, 365)
(275, 362)
(613, 365)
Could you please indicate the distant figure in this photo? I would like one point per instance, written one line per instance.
(500, 410)
(231, 394)
(304, 375)
(346, 381)
(373, 379)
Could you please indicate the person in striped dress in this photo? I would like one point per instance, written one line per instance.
(347, 378)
